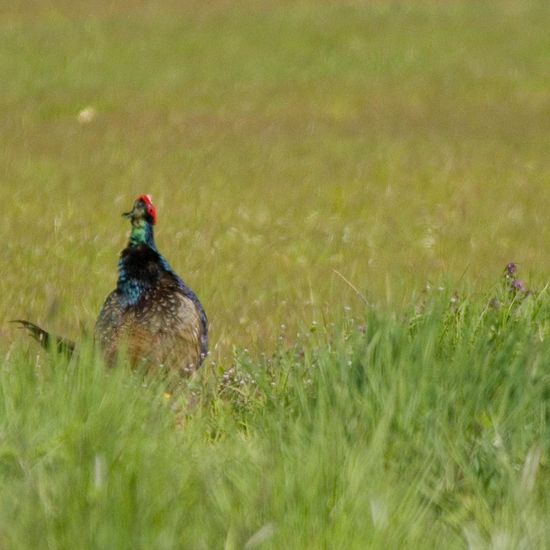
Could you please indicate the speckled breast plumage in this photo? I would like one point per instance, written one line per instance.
(152, 316)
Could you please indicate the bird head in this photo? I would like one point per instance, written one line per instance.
(143, 211)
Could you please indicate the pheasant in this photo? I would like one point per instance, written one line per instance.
(151, 315)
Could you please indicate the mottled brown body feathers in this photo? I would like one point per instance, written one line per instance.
(162, 330)
(152, 316)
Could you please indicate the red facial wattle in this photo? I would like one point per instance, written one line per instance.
(151, 210)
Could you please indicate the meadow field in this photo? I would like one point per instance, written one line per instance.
(342, 183)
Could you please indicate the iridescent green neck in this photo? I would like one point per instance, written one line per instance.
(142, 233)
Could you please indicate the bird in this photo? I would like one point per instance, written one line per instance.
(151, 316)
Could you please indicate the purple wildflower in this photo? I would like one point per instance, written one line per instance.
(519, 286)
(511, 270)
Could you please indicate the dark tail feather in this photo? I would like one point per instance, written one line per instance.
(45, 339)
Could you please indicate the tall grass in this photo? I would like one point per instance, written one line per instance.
(428, 430)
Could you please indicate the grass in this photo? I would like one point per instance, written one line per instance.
(428, 430)
(394, 142)
(400, 144)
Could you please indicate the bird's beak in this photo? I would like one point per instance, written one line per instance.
(127, 214)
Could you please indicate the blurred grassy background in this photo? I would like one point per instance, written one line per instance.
(395, 142)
